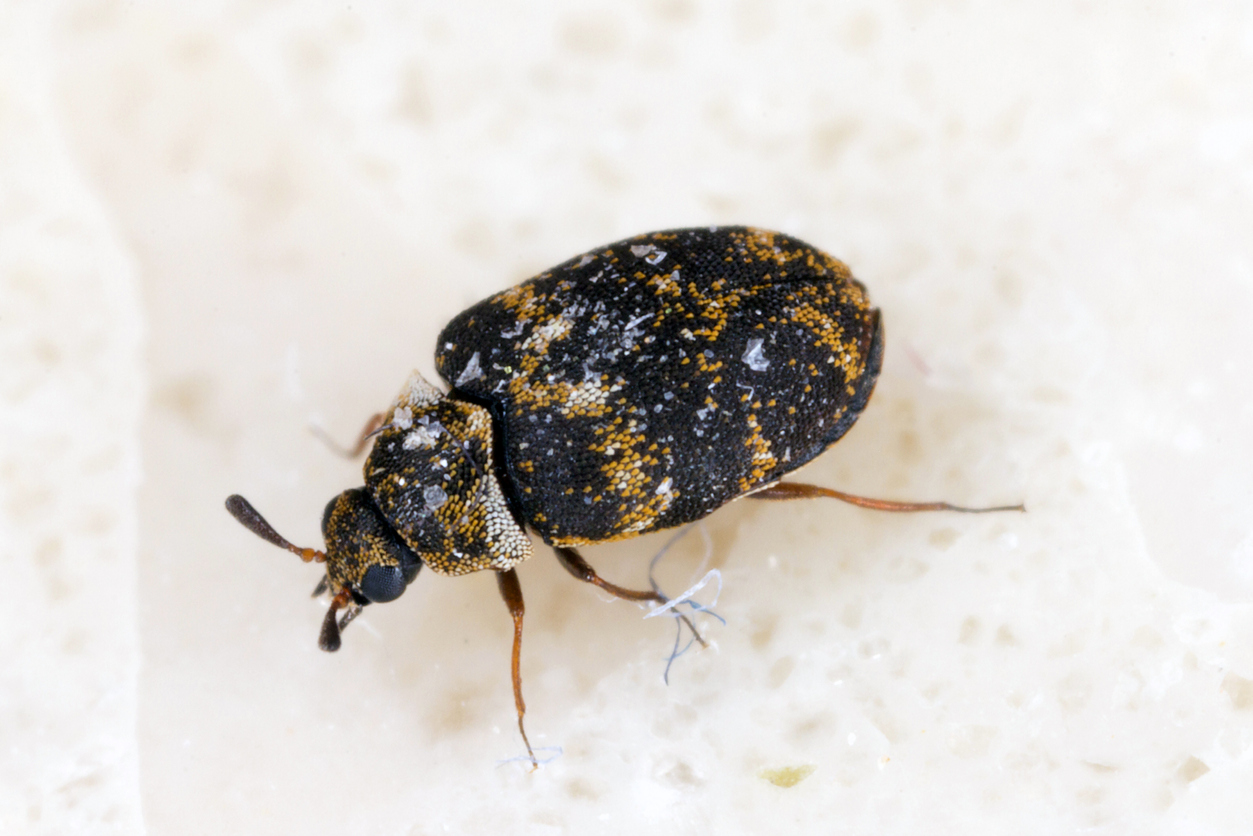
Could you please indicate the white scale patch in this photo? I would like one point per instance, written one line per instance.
(417, 393)
(518, 328)
(586, 394)
(753, 356)
(434, 496)
(540, 338)
(472, 371)
(420, 437)
(641, 318)
(648, 252)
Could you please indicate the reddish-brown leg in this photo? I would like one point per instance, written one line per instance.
(795, 490)
(577, 566)
(511, 591)
(328, 639)
(370, 428)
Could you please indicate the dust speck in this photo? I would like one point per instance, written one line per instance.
(781, 670)
(969, 631)
(1191, 769)
(594, 37)
(861, 30)
(942, 538)
(1240, 691)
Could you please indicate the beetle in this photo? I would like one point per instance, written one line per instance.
(638, 386)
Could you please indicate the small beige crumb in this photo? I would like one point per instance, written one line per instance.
(1192, 769)
(787, 776)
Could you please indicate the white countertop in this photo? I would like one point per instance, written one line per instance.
(219, 227)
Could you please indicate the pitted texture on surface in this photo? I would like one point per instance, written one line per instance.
(646, 383)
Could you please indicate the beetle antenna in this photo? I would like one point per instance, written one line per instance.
(242, 510)
(372, 428)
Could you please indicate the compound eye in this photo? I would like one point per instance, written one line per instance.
(383, 583)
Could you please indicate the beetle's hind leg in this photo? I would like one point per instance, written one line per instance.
(796, 490)
(371, 427)
(577, 566)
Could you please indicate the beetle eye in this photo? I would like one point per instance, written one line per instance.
(383, 583)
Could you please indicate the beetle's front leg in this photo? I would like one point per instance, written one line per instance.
(511, 591)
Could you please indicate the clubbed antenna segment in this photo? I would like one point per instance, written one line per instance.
(242, 510)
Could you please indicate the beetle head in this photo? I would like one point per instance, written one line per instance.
(366, 561)
(364, 554)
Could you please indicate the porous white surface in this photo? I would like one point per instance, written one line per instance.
(242, 218)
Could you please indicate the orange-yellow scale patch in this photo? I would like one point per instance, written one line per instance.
(763, 460)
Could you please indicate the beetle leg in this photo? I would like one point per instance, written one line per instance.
(577, 566)
(795, 490)
(511, 591)
(371, 427)
(328, 639)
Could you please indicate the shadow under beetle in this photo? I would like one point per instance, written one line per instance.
(639, 386)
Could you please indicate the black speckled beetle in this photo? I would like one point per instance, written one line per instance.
(639, 386)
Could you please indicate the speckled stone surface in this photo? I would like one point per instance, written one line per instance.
(220, 226)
